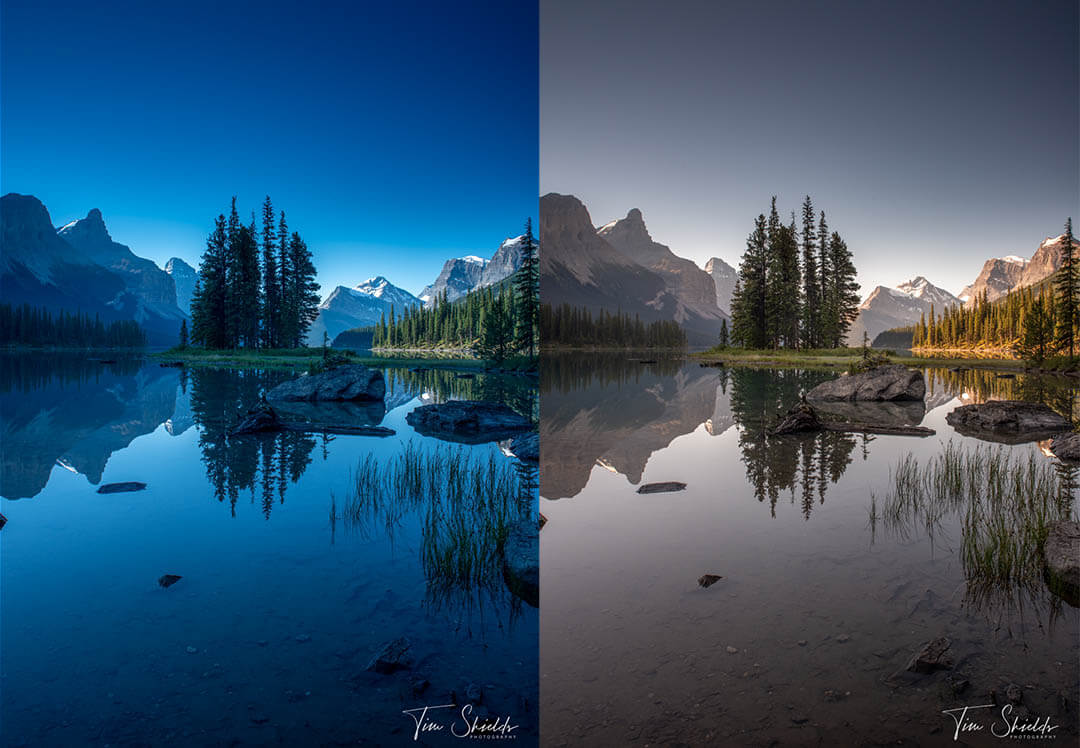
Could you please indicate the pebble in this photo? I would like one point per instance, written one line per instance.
(843, 638)
(732, 650)
(303, 638)
(801, 642)
(192, 650)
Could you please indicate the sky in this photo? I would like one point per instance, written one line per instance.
(934, 135)
(393, 135)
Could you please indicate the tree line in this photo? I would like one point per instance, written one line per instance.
(256, 286)
(1034, 322)
(30, 325)
(796, 287)
(577, 327)
(494, 322)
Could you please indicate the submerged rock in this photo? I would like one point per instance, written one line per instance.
(468, 421)
(802, 418)
(883, 383)
(1061, 553)
(124, 487)
(3, 521)
(521, 562)
(168, 580)
(1066, 446)
(932, 657)
(260, 418)
(663, 487)
(352, 382)
(708, 580)
(1007, 421)
(526, 447)
(391, 657)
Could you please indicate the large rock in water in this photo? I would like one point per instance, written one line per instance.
(883, 383)
(353, 382)
(468, 421)
(521, 561)
(1062, 555)
(1007, 421)
(1066, 447)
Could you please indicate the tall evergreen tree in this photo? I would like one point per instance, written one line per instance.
(183, 341)
(811, 283)
(303, 300)
(825, 273)
(748, 308)
(527, 288)
(782, 293)
(844, 302)
(285, 331)
(271, 291)
(1067, 285)
(210, 300)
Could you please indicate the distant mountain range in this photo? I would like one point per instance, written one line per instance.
(619, 267)
(79, 267)
(887, 308)
(362, 306)
(184, 277)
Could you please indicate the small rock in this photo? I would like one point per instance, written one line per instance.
(883, 383)
(168, 580)
(1061, 554)
(262, 643)
(259, 419)
(526, 447)
(932, 656)
(1007, 421)
(352, 382)
(800, 719)
(708, 580)
(957, 684)
(543, 520)
(1066, 446)
(192, 650)
(124, 487)
(468, 421)
(521, 562)
(303, 638)
(802, 418)
(419, 685)
(843, 638)
(663, 487)
(3, 521)
(474, 693)
(731, 650)
(393, 656)
(801, 642)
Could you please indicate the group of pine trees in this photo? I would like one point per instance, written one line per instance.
(572, 326)
(494, 322)
(256, 285)
(1034, 322)
(29, 325)
(796, 287)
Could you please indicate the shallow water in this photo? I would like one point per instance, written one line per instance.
(266, 638)
(805, 639)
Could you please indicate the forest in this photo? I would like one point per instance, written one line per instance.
(796, 287)
(494, 322)
(256, 286)
(576, 327)
(1033, 323)
(29, 325)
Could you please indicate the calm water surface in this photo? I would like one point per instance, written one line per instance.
(805, 639)
(266, 638)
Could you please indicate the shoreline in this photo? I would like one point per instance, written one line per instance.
(842, 357)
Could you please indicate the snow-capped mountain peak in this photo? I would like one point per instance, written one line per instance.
(474, 259)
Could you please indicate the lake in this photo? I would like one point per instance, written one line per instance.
(824, 597)
(292, 577)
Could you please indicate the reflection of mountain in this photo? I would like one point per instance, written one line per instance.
(617, 416)
(73, 412)
(182, 418)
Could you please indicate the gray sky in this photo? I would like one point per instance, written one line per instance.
(933, 134)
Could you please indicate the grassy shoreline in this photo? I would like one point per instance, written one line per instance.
(840, 358)
(301, 358)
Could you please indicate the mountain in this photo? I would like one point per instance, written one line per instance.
(362, 306)
(184, 277)
(886, 308)
(724, 277)
(999, 275)
(693, 288)
(1046, 261)
(79, 267)
(461, 275)
(580, 267)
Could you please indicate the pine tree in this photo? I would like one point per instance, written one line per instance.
(527, 287)
(1067, 285)
(271, 291)
(302, 303)
(825, 274)
(723, 334)
(782, 292)
(748, 306)
(183, 342)
(234, 303)
(285, 331)
(811, 282)
(210, 300)
(844, 303)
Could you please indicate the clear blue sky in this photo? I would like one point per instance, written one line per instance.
(934, 133)
(394, 135)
